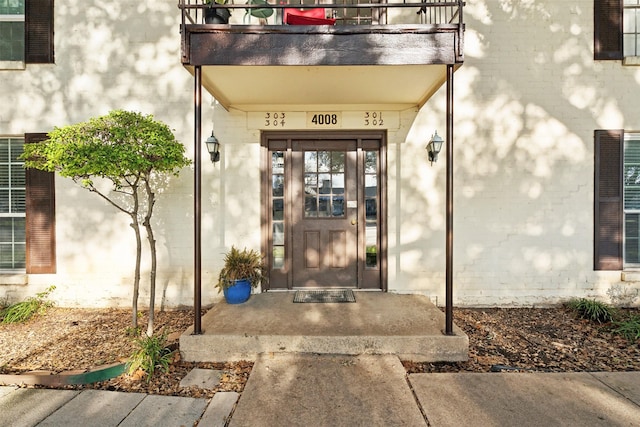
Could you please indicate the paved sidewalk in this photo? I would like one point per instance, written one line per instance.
(42, 407)
(530, 399)
(331, 390)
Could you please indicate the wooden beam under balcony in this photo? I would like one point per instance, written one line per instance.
(321, 45)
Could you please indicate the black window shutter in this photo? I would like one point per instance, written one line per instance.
(40, 217)
(607, 27)
(39, 31)
(608, 200)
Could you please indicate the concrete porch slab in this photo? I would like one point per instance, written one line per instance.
(409, 326)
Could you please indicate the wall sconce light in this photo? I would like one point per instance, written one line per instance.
(213, 147)
(434, 146)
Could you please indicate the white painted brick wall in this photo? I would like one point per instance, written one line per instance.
(527, 101)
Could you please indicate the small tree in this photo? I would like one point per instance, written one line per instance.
(129, 150)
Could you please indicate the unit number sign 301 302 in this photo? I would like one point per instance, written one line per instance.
(373, 118)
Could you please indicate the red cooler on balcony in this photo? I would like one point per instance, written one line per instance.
(307, 17)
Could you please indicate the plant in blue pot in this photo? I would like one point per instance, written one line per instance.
(242, 271)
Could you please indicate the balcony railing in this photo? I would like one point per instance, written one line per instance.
(342, 12)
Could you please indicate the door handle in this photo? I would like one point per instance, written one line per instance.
(354, 221)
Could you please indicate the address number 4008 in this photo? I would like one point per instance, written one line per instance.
(323, 119)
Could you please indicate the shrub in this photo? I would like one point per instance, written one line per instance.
(150, 354)
(629, 328)
(24, 310)
(593, 310)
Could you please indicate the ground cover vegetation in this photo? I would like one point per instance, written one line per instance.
(560, 339)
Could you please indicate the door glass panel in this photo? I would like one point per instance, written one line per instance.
(310, 206)
(278, 234)
(371, 208)
(310, 161)
(324, 184)
(337, 161)
(277, 207)
(371, 162)
(278, 257)
(278, 210)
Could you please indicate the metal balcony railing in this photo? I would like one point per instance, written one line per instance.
(344, 12)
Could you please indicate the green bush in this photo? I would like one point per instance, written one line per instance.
(24, 310)
(150, 354)
(629, 328)
(593, 310)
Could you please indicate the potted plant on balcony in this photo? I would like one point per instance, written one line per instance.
(242, 271)
(216, 15)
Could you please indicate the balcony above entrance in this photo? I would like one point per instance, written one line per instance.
(348, 53)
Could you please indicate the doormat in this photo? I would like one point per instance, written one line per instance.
(324, 296)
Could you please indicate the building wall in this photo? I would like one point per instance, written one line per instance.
(108, 55)
(527, 101)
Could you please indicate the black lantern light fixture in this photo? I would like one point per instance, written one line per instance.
(434, 146)
(213, 147)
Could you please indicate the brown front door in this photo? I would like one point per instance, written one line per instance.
(324, 210)
(324, 214)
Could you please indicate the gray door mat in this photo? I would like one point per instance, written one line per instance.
(324, 296)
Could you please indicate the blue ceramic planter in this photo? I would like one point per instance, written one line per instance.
(238, 292)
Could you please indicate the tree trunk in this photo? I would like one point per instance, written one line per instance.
(135, 224)
(151, 200)
(136, 277)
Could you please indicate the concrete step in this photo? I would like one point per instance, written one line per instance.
(409, 326)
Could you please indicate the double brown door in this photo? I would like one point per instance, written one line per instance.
(324, 212)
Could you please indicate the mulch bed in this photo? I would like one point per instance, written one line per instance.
(537, 339)
(549, 340)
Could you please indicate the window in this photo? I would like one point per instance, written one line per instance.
(277, 216)
(12, 205)
(631, 28)
(631, 196)
(27, 211)
(12, 30)
(26, 32)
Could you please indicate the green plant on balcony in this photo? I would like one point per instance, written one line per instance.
(260, 13)
(216, 15)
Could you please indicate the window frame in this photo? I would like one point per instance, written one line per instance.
(11, 213)
(626, 139)
(19, 18)
(38, 35)
(636, 33)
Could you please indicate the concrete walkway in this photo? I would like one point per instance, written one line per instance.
(332, 390)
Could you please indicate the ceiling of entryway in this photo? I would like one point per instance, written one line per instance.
(252, 88)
